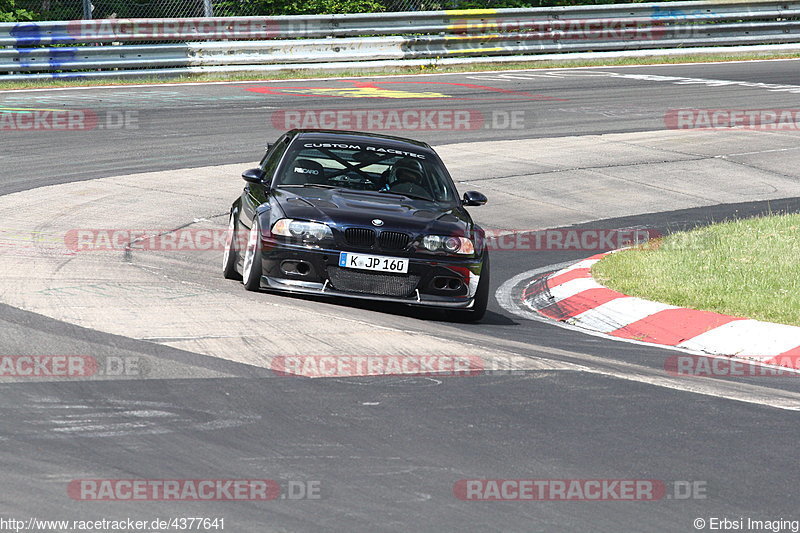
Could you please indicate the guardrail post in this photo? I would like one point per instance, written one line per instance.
(87, 9)
(208, 8)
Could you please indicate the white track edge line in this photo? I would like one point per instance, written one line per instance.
(378, 75)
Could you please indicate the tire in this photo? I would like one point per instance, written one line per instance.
(478, 309)
(231, 257)
(251, 269)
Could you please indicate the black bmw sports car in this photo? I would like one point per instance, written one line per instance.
(359, 215)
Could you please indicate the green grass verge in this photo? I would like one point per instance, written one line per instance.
(425, 69)
(748, 268)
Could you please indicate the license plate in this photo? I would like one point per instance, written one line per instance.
(373, 262)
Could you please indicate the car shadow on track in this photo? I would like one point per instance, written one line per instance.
(421, 313)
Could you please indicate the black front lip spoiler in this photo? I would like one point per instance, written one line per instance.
(324, 289)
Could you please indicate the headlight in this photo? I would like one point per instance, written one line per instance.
(432, 243)
(451, 245)
(302, 230)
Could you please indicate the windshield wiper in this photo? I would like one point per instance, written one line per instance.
(409, 195)
(318, 185)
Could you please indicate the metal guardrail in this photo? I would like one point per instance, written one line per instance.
(103, 48)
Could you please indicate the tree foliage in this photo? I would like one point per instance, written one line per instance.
(297, 7)
(11, 12)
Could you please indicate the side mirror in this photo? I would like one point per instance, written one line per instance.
(254, 175)
(474, 198)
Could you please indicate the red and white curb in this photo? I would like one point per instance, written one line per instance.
(572, 296)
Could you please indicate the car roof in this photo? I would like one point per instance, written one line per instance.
(359, 136)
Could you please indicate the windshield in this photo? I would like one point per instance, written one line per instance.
(367, 168)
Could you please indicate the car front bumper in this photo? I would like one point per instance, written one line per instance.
(325, 278)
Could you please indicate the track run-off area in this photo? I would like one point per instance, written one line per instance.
(195, 393)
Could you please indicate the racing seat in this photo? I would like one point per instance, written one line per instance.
(305, 171)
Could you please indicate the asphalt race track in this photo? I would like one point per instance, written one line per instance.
(584, 149)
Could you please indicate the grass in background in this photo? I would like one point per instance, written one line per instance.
(748, 268)
(383, 71)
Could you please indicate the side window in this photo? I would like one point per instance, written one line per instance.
(273, 157)
(271, 148)
(439, 183)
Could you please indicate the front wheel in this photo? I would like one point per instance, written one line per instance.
(230, 258)
(478, 308)
(251, 270)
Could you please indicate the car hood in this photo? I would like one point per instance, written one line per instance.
(346, 208)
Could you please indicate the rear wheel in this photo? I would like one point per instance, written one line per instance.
(230, 258)
(251, 271)
(478, 308)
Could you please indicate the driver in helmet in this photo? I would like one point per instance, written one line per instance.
(407, 176)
